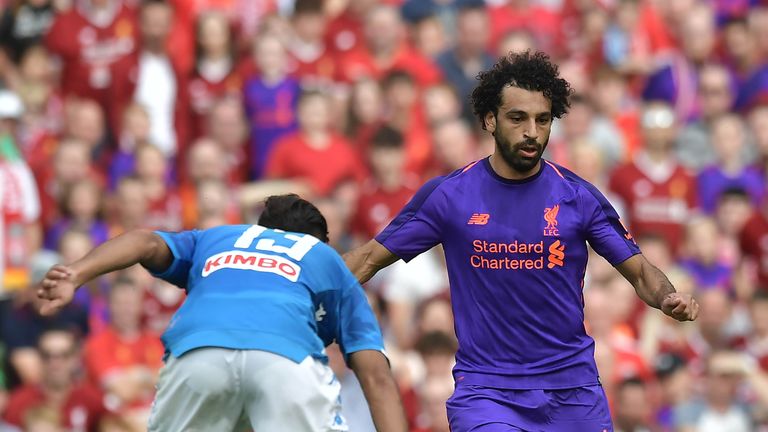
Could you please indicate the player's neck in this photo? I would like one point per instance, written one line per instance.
(504, 170)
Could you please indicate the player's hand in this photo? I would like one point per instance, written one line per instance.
(57, 289)
(682, 307)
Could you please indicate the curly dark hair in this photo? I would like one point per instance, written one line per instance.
(528, 71)
(289, 212)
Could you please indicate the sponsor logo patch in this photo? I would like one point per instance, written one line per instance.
(242, 260)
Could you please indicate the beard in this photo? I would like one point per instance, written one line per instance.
(512, 155)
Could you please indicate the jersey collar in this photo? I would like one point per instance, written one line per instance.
(489, 168)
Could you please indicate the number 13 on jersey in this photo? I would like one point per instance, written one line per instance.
(302, 243)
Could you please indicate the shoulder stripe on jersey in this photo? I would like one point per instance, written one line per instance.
(412, 207)
(608, 210)
(573, 177)
(466, 168)
(554, 168)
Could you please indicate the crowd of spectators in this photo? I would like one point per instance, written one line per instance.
(181, 114)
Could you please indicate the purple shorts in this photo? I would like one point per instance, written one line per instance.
(484, 409)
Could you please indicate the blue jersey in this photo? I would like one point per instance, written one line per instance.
(516, 253)
(249, 287)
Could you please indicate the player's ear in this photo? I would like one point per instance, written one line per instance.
(490, 122)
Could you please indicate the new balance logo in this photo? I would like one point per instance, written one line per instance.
(478, 219)
(550, 216)
(556, 254)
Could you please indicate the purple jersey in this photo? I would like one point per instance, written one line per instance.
(271, 111)
(714, 180)
(516, 253)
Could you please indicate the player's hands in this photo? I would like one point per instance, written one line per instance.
(57, 289)
(682, 307)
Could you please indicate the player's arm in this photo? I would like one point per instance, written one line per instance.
(134, 247)
(415, 230)
(653, 287)
(372, 370)
(359, 337)
(368, 259)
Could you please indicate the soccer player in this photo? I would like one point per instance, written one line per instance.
(249, 340)
(515, 229)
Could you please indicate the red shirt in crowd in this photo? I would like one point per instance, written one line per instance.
(377, 206)
(39, 151)
(89, 46)
(324, 169)
(313, 68)
(418, 144)
(18, 208)
(344, 32)
(161, 301)
(754, 243)
(418, 141)
(164, 213)
(203, 93)
(125, 74)
(82, 409)
(358, 63)
(658, 202)
(544, 24)
(107, 352)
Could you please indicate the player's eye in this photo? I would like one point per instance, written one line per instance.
(543, 120)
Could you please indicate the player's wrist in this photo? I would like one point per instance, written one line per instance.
(77, 275)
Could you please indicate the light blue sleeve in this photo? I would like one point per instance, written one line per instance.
(358, 328)
(182, 245)
(343, 314)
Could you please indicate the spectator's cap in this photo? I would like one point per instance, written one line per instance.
(667, 364)
(414, 11)
(11, 106)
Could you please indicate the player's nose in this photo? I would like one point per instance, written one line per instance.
(531, 130)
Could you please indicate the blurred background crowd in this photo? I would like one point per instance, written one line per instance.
(180, 114)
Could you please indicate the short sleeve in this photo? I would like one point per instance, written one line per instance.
(182, 246)
(417, 228)
(605, 231)
(358, 328)
(342, 312)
